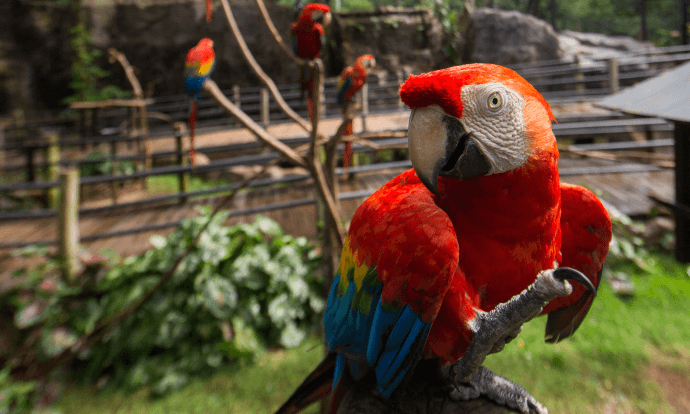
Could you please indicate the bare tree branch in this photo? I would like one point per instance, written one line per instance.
(257, 69)
(113, 55)
(276, 36)
(215, 92)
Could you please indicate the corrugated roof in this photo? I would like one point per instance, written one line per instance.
(665, 96)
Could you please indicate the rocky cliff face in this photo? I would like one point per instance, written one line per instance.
(401, 39)
(508, 37)
(35, 52)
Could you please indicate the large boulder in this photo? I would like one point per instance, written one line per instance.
(596, 46)
(407, 39)
(508, 37)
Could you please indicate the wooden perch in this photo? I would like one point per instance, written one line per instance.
(259, 72)
(115, 55)
(424, 393)
(276, 36)
(215, 92)
(333, 214)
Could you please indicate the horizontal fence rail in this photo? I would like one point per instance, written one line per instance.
(558, 81)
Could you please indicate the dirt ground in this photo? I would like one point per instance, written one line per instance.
(622, 190)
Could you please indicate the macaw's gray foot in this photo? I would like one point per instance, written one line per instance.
(499, 389)
(492, 330)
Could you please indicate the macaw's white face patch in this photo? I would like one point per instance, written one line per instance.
(493, 115)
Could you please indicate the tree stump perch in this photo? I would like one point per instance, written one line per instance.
(423, 393)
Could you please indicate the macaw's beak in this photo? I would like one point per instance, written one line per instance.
(439, 145)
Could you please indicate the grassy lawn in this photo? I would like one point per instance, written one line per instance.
(631, 355)
(168, 183)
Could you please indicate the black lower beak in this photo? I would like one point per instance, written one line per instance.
(465, 159)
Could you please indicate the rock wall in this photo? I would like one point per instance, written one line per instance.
(35, 53)
(508, 37)
(406, 39)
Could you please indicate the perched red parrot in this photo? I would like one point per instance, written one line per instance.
(448, 260)
(351, 80)
(198, 66)
(308, 35)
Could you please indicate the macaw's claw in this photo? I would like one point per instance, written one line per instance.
(492, 330)
(567, 273)
(498, 389)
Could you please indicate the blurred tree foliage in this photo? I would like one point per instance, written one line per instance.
(613, 17)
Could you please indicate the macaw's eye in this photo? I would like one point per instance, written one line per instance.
(495, 101)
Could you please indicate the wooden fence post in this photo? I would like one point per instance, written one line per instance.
(236, 95)
(264, 107)
(182, 177)
(580, 85)
(30, 168)
(52, 157)
(401, 79)
(68, 223)
(681, 135)
(613, 75)
(113, 170)
(365, 105)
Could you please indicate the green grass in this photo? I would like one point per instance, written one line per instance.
(604, 367)
(168, 183)
(243, 388)
(607, 361)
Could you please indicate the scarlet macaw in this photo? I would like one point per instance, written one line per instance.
(448, 260)
(308, 36)
(351, 80)
(198, 66)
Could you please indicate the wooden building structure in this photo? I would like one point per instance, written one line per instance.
(667, 96)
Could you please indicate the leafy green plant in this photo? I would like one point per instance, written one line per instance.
(241, 290)
(15, 396)
(84, 70)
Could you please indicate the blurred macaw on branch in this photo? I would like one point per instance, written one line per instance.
(308, 36)
(199, 64)
(351, 80)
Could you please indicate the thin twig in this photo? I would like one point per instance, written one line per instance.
(113, 55)
(257, 69)
(276, 36)
(212, 88)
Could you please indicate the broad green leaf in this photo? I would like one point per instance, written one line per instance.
(268, 226)
(220, 296)
(291, 336)
(157, 241)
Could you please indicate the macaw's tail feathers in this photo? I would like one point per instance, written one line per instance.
(310, 107)
(347, 152)
(563, 322)
(347, 156)
(192, 125)
(315, 387)
(209, 10)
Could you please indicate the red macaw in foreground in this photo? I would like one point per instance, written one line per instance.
(198, 66)
(448, 260)
(351, 80)
(308, 36)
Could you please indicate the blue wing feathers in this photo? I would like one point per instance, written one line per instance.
(343, 88)
(339, 367)
(368, 334)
